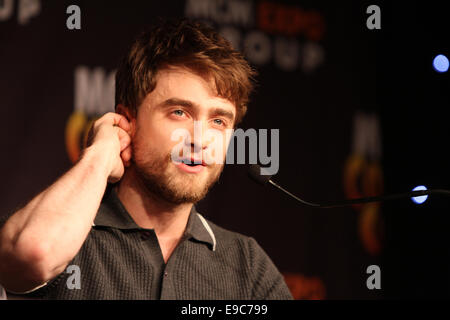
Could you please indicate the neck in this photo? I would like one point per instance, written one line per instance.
(150, 211)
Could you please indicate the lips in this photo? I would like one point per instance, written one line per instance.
(193, 162)
(191, 165)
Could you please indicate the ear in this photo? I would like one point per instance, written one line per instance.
(128, 114)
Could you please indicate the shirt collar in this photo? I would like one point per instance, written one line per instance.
(199, 229)
(113, 214)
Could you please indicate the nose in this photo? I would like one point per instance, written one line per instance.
(198, 139)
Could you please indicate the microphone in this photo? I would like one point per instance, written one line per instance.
(261, 176)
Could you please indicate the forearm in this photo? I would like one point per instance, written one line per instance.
(47, 233)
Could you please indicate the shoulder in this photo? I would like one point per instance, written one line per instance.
(267, 281)
(234, 243)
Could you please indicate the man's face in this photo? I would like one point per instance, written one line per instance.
(181, 100)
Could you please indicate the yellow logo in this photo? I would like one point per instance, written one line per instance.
(93, 97)
(363, 177)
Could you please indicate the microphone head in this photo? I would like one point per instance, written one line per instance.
(258, 174)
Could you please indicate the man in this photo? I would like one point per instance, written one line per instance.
(140, 237)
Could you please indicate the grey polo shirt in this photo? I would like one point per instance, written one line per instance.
(120, 260)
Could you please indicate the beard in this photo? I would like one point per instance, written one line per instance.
(162, 179)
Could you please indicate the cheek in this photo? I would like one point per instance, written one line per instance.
(222, 140)
(143, 142)
(155, 141)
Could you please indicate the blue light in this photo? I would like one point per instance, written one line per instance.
(440, 63)
(419, 199)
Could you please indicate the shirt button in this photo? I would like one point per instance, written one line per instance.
(165, 274)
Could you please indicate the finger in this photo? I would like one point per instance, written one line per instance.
(126, 154)
(121, 122)
(113, 179)
(124, 139)
(116, 175)
(116, 119)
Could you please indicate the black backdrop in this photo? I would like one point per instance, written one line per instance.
(359, 112)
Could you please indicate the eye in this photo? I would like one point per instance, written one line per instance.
(219, 122)
(178, 112)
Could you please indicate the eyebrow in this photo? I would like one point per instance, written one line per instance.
(189, 104)
(178, 102)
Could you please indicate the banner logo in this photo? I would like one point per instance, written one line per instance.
(266, 31)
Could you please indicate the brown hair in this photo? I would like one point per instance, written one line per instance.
(188, 44)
